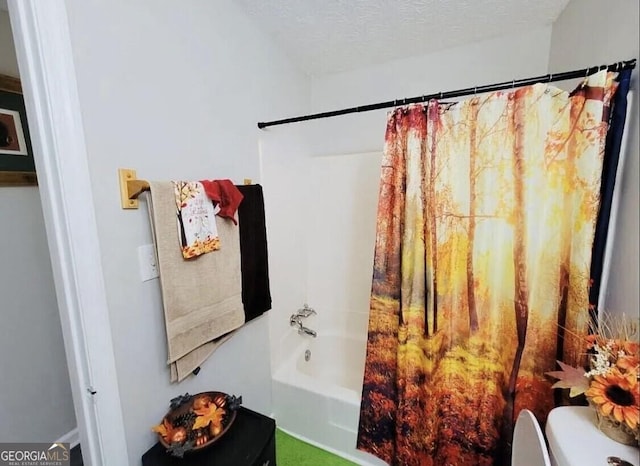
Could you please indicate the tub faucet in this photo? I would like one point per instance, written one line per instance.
(302, 330)
(296, 321)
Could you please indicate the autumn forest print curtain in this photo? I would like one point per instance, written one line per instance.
(485, 224)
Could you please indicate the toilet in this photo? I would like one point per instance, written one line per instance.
(529, 447)
(575, 440)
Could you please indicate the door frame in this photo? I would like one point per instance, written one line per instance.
(45, 58)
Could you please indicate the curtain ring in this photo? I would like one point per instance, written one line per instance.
(475, 90)
(550, 77)
(513, 83)
(440, 98)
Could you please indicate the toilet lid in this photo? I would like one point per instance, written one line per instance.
(529, 447)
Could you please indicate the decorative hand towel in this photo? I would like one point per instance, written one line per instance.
(196, 219)
(225, 194)
(202, 298)
(256, 295)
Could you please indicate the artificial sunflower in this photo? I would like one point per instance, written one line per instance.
(628, 362)
(616, 395)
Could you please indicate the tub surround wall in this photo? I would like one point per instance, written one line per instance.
(173, 91)
(342, 192)
(323, 254)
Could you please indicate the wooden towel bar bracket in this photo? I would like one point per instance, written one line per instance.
(131, 187)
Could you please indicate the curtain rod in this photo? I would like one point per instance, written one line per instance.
(552, 77)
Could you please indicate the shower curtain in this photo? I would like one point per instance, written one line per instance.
(486, 219)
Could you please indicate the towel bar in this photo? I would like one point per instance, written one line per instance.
(131, 187)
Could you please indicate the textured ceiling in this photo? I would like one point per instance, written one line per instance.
(325, 36)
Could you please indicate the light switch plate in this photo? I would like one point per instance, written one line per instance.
(147, 262)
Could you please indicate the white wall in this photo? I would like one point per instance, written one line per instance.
(174, 91)
(593, 32)
(8, 61)
(284, 166)
(485, 62)
(35, 382)
(337, 180)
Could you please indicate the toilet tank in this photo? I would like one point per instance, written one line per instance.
(575, 440)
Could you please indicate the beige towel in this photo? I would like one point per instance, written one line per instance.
(202, 297)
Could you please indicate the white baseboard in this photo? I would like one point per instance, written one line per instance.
(72, 437)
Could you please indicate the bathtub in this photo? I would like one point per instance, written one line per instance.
(318, 400)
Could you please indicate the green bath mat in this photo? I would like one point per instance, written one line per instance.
(293, 452)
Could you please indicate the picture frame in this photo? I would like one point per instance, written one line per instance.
(17, 167)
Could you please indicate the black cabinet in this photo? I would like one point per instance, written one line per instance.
(250, 441)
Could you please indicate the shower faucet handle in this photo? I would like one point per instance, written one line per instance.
(306, 311)
(296, 321)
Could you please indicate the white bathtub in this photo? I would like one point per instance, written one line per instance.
(318, 401)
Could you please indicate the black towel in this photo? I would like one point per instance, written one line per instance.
(254, 264)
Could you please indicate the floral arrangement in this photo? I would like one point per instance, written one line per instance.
(611, 385)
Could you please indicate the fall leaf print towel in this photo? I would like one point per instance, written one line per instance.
(196, 217)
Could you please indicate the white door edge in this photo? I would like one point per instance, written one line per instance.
(43, 47)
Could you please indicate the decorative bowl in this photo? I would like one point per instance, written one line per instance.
(195, 422)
